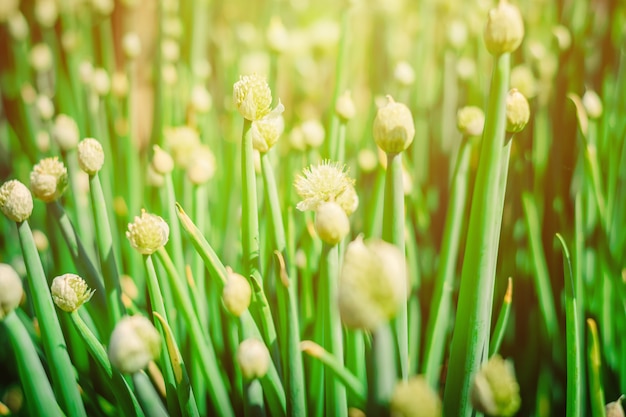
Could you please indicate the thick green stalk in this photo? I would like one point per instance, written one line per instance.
(381, 372)
(254, 406)
(470, 338)
(393, 232)
(440, 314)
(503, 319)
(40, 399)
(61, 368)
(594, 363)
(106, 254)
(147, 396)
(249, 208)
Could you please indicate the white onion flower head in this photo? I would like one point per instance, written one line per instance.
(48, 179)
(131, 45)
(16, 201)
(592, 104)
(522, 79)
(331, 223)
(119, 84)
(8, 8)
(277, 36)
(372, 284)
(40, 57)
(85, 72)
(313, 133)
(494, 390)
(101, 82)
(162, 162)
(201, 167)
(103, 7)
(90, 156)
(394, 128)
(170, 50)
(470, 120)
(182, 141)
(17, 25)
(345, 108)
(148, 233)
(404, 74)
(134, 343)
(236, 294)
(11, 290)
(46, 13)
(65, 132)
(267, 130)
(415, 398)
(45, 107)
(200, 99)
(504, 30)
(252, 96)
(253, 358)
(325, 182)
(69, 292)
(517, 111)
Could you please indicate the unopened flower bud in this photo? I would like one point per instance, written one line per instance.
(134, 343)
(90, 156)
(236, 294)
(368, 160)
(85, 72)
(103, 7)
(393, 127)
(252, 96)
(45, 107)
(18, 26)
(615, 408)
(183, 141)
(162, 162)
(8, 8)
(415, 398)
(65, 132)
(41, 240)
(148, 233)
(40, 57)
(119, 84)
(372, 283)
(170, 50)
(563, 37)
(277, 36)
(344, 107)
(457, 34)
(253, 358)
(592, 104)
(69, 292)
(522, 79)
(100, 82)
(404, 74)
(11, 290)
(131, 44)
(504, 31)
(313, 133)
(46, 13)
(494, 389)
(170, 74)
(331, 223)
(470, 120)
(48, 179)
(517, 111)
(153, 178)
(201, 167)
(200, 99)
(267, 130)
(16, 202)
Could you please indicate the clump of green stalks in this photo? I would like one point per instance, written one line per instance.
(312, 208)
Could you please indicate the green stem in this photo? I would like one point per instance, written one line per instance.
(40, 399)
(503, 319)
(147, 396)
(61, 369)
(470, 338)
(594, 363)
(393, 232)
(249, 209)
(381, 372)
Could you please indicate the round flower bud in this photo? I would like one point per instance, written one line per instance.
(563, 37)
(170, 74)
(202, 69)
(372, 283)
(470, 120)
(252, 96)
(40, 57)
(90, 156)
(18, 26)
(103, 7)
(200, 99)
(592, 104)
(69, 292)
(615, 408)
(148, 233)
(201, 167)
(119, 84)
(266, 131)
(415, 398)
(236, 294)
(404, 74)
(183, 141)
(457, 34)
(522, 78)
(170, 49)
(253, 358)
(134, 343)
(153, 178)
(8, 8)
(45, 107)
(465, 68)
(41, 240)
(16, 202)
(313, 133)
(46, 13)
(517, 111)
(326, 182)
(504, 31)
(162, 162)
(100, 82)
(11, 290)
(172, 27)
(393, 127)
(331, 223)
(70, 41)
(345, 107)
(494, 389)
(368, 161)
(131, 44)
(65, 132)
(85, 72)
(277, 36)
(48, 179)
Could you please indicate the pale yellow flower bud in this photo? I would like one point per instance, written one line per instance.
(372, 283)
(404, 74)
(202, 69)
(134, 343)
(170, 50)
(170, 74)
(148, 233)
(517, 111)
(470, 120)
(183, 141)
(522, 79)
(45, 107)
(326, 182)
(65, 132)
(119, 84)
(11, 290)
(153, 178)
(172, 27)
(131, 44)
(236, 294)
(494, 389)
(253, 358)
(41, 240)
(368, 160)
(70, 41)
(345, 107)
(48, 179)
(40, 57)
(504, 30)
(85, 72)
(267, 130)
(8, 8)
(331, 223)
(563, 37)
(393, 127)
(16, 202)
(69, 292)
(162, 162)
(201, 167)
(466, 69)
(90, 156)
(277, 36)
(17, 25)
(615, 408)
(415, 398)
(103, 7)
(200, 99)
(42, 139)
(592, 104)
(313, 133)
(46, 13)
(100, 82)
(252, 96)
(457, 34)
